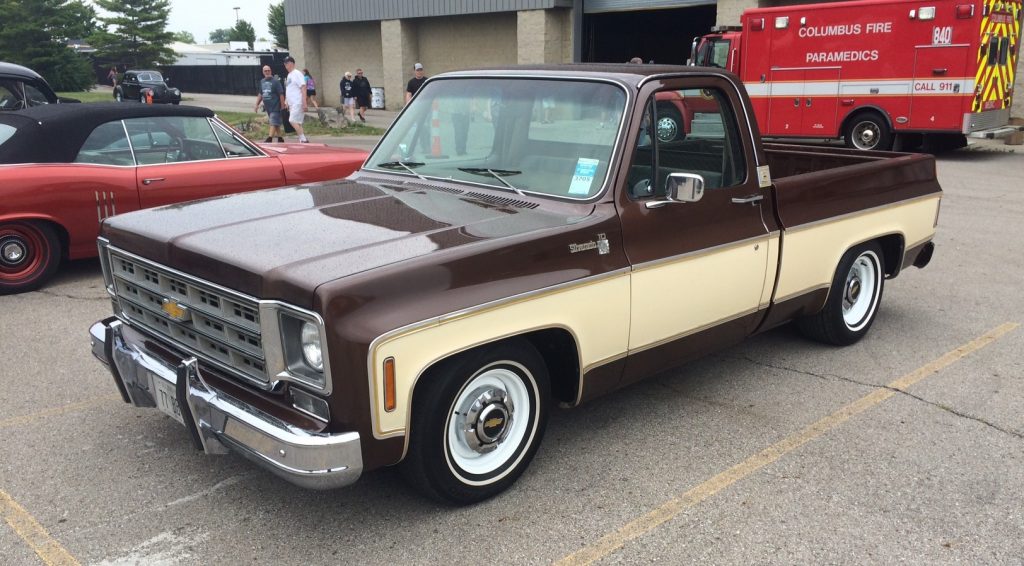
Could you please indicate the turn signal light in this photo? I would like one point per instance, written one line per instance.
(757, 24)
(390, 401)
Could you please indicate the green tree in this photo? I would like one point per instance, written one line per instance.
(34, 33)
(135, 33)
(243, 31)
(220, 35)
(183, 36)
(276, 24)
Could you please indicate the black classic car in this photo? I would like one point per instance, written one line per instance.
(136, 84)
(21, 87)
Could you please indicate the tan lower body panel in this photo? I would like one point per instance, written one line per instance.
(676, 298)
(810, 254)
(597, 315)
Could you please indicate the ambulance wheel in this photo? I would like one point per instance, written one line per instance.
(670, 124)
(868, 131)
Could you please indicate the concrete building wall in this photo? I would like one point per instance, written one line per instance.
(346, 47)
(544, 36)
(460, 42)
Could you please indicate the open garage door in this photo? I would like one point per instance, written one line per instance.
(614, 31)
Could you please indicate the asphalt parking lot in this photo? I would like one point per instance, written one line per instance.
(906, 447)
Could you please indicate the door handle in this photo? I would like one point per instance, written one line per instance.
(939, 71)
(808, 102)
(752, 200)
(796, 102)
(152, 180)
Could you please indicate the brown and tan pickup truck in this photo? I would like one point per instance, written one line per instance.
(519, 238)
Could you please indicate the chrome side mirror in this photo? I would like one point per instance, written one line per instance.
(680, 188)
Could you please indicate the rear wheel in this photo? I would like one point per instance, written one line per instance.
(868, 131)
(29, 255)
(477, 422)
(118, 96)
(852, 300)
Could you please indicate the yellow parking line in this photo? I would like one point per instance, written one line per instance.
(45, 546)
(70, 408)
(671, 508)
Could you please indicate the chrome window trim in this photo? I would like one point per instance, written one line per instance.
(241, 138)
(616, 145)
(128, 140)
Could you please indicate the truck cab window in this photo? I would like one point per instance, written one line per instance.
(687, 131)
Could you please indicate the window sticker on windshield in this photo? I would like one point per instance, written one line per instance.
(584, 176)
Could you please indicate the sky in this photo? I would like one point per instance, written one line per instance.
(200, 17)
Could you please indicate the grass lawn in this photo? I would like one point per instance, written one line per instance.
(98, 95)
(255, 126)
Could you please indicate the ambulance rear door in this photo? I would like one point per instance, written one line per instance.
(939, 87)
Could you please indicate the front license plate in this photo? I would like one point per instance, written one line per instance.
(166, 399)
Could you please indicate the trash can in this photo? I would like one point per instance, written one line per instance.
(288, 129)
(377, 98)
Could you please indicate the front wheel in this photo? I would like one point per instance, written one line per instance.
(868, 131)
(30, 253)
(477, 422)
(852, 300)
(118, 96)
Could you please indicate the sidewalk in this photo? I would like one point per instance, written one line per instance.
(238, 103)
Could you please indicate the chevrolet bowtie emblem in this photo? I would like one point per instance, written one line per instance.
(174, 310)
(491, 423)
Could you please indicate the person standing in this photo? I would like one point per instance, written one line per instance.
(271, 96)
(310, 89)
(348, 97)
(295, 97)
(415, 82)
(362, 90)
(112, 76)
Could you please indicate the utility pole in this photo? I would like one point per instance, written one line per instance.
(236, 9)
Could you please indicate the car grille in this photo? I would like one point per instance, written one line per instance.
(219, 327)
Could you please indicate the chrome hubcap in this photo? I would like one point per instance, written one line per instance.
(485, 418)
(667, 129)
(861, 290)
(12, 252)
(865, 135)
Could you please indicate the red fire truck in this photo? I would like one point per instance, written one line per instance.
(874, 72)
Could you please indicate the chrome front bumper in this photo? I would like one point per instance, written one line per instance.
(218, 422)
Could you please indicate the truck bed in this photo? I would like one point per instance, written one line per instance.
(816, 183)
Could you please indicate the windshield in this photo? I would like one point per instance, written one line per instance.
(548, 137)
(713, 53)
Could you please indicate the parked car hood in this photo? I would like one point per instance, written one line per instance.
(283, 243)
(306, 149)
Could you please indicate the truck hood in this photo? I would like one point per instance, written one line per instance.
(283, 243)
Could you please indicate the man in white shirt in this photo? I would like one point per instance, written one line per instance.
(295, 97)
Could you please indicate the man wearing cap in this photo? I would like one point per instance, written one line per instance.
(415, 82)
(295, 97)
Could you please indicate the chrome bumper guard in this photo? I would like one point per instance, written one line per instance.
(218, 422)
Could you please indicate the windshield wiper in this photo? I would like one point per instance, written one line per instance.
(498, 174)
(407, 165)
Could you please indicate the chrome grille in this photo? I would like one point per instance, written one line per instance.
(221, 327)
